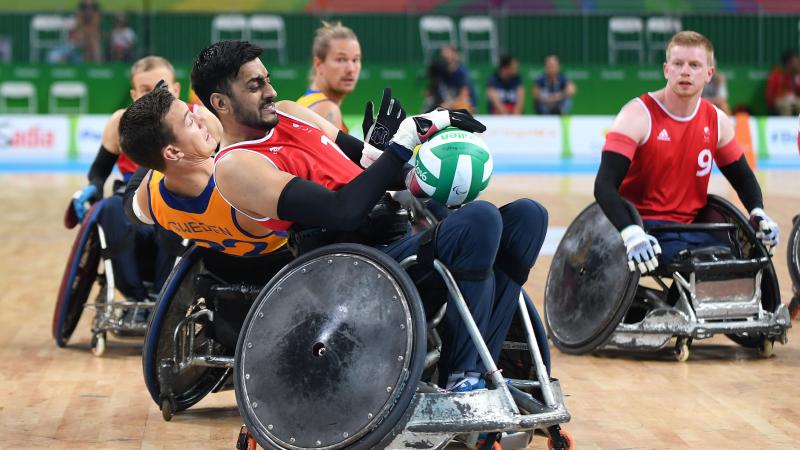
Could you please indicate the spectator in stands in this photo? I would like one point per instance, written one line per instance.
(87, 27)
(450, 85)
(122, 40)
(553, 92)
(504, 89)
(716, 92)
(783, 86)
(66, 52)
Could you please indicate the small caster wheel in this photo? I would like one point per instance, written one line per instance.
(488, 441)
(766, 347)
(99, 343)
(794, 307)
(563, 441)
(167, 409)
(245, 441)
(681, 350)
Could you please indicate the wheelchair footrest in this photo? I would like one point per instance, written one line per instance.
(660, 325)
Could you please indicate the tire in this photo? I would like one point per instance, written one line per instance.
(175, 300)
(79, 276)
(393, 415)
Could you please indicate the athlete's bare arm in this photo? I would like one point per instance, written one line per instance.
(329, 111)
(110, 138)
(250, 183)
(726, 131)
(632, 121)
(310, 116)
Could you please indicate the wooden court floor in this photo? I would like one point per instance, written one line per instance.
(724, 397)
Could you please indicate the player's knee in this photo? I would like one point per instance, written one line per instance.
(470, 237)
(526, 214)
(481, 221)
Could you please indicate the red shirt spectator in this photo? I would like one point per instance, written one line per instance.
(783, 86)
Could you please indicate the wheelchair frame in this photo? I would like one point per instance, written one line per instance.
(714, 297)
(89, 246)
(433, 416)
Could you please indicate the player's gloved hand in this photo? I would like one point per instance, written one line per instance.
(417, 129)
(80, 199)
(378, 131)
(766, 229)
(643, 249)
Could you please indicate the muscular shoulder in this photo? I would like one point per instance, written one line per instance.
(329, 111)
(110, 137)
(726, 130)
(633, 121)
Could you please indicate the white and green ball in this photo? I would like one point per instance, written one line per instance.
(453, 167)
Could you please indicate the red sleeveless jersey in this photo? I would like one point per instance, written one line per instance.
(300, 149)
(125, 165)
(670, 169)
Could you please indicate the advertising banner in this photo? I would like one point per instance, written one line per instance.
(88, 135)
(523, 139)
(587, 134)
(33, 138)
(781, 138)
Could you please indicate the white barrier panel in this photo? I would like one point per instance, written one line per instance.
(781, 138)
(587, 135)
(89, 133)
(34, 138)
(523, 139)
(528, 143)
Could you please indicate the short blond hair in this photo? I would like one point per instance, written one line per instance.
(692, 39)
(150, 63)
(329, 32)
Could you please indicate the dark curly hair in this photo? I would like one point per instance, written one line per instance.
(143, 132)
(217, 65)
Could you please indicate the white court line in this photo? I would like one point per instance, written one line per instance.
(551, 240)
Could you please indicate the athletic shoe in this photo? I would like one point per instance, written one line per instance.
(464, 385)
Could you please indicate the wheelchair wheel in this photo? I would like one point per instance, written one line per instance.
(78, 279)
(793, 260)
(750, 247)
(515, 358)
(176, 301)
(331, 352)
(589, 286)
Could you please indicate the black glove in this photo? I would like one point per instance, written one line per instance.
(379, 131)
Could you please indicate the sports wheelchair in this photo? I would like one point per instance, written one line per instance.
(335, 351)
(793, 260)
(89, 263)
(593, 301)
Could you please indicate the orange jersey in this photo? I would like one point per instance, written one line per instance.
(207, 220)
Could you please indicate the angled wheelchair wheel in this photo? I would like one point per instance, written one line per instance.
(80, 275)
(331, 352)
(721, 210)
(515, 358)
(793, 260)
(589, 286)
(176, 301)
